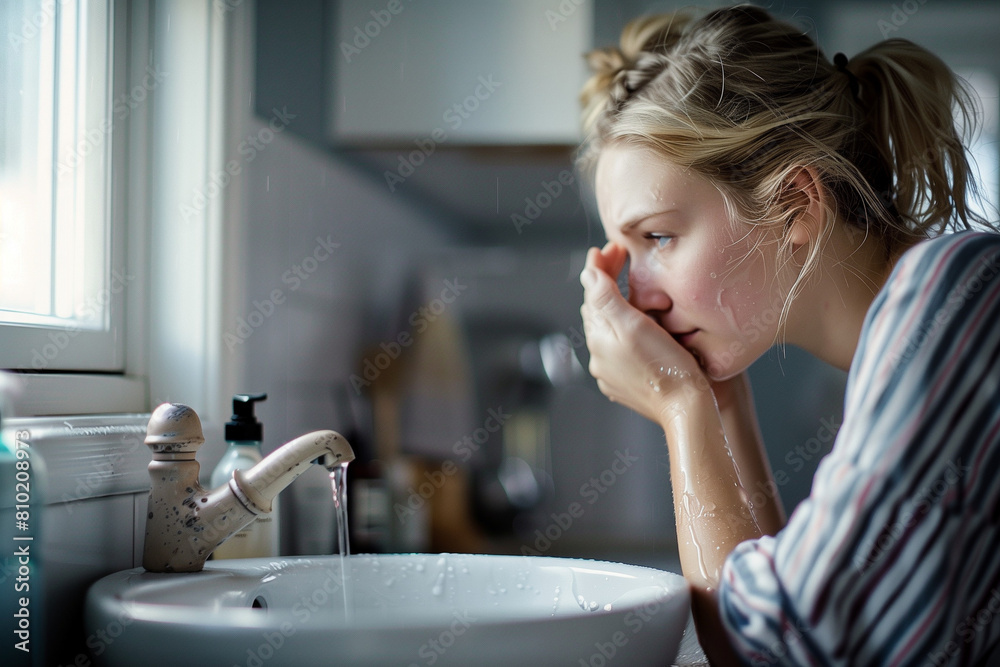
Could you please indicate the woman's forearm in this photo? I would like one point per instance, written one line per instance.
(739, 420)
(712, 504)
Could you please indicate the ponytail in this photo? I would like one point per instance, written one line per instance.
(908, 97)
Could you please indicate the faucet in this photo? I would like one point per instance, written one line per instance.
(186, 522)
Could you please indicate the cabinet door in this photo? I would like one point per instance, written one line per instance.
(457, 71)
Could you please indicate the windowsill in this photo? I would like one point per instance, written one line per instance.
(40, 394)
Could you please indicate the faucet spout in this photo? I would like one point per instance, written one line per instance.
(185, 522)
(258, 486)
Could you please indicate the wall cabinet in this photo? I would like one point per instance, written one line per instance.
(456, 71)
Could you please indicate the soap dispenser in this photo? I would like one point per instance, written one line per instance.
(244, 434)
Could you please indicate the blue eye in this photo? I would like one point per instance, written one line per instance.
(662, 240)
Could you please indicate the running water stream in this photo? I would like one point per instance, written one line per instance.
(338, 480)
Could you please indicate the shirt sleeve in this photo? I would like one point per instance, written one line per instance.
(891, 560)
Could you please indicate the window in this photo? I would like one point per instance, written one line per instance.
(983, 148)
(62, 275)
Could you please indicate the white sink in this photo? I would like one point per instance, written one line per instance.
(403, 610)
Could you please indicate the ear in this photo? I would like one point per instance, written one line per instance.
(804, 193)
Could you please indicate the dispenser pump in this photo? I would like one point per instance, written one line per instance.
(243, 425)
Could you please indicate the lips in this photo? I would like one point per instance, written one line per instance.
(684, 337)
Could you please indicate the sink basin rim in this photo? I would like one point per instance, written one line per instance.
(545, 631)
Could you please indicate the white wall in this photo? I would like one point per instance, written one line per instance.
(298, 200)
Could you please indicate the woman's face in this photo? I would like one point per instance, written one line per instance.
(706, 281)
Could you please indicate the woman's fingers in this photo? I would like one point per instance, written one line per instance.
(616, 256)
(604, 307)
(610, 259)
(635, 362)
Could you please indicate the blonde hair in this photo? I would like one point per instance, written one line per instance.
(746, 101)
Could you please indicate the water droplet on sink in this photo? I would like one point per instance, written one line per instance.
(438, 589)
(420, 567)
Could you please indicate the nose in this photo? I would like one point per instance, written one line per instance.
(645, 291)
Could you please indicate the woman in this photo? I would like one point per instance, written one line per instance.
(761, 194)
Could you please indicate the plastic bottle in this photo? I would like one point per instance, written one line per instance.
(244, 433)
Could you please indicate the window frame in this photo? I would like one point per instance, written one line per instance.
(116, 382)
(67, 346)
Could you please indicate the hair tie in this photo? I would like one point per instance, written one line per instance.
(840, 62)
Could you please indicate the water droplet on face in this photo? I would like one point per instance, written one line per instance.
(713, 274)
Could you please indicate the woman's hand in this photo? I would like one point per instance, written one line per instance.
(635, 361)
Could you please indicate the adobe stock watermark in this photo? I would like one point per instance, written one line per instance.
(34, 23)
(901, 13)
(967, 630)
(121, 108)
(435, 647)
(264, 308)
(89, 310)
(590, 492)
(533, 206)
(362, 36)
(634, 622)
(870, 553)
(986, 271)
(797, 458)
(247, 150)
(462, 450)
(99, 641)
(762, 323)
(419, 320)
(562, 13)
(307, 604)
(454, 117)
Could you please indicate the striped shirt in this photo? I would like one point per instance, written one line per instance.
(894, 558)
